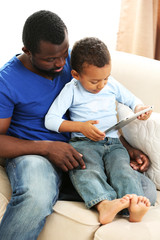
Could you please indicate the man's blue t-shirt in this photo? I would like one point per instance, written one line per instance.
(26, 97)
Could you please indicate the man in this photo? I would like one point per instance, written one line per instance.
(36, 156)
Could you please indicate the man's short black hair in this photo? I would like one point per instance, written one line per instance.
(43, 25)
(90, 51)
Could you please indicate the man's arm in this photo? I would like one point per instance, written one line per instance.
(139, 160)
(63, 155)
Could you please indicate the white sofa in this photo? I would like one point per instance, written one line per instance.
(71, 220)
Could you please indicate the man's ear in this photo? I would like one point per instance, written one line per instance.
(75, 74)
(26, 51)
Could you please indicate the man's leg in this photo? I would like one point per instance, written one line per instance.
(35, 184)
(149, 188)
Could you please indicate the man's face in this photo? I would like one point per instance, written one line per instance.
(51, 58)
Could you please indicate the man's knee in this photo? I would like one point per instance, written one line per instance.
(36, 180)
(149, 188)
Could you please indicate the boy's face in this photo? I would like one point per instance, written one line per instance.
(93, 78)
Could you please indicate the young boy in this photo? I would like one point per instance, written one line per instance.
(108, 182)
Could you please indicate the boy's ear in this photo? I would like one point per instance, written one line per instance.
(75, 74)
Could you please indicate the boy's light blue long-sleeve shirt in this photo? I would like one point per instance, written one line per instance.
(84, 106)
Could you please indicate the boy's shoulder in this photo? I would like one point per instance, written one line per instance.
(112, 81)
(72, 83)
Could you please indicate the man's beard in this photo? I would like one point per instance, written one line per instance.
(49, 73)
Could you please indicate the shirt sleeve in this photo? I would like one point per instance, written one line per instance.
(123, 95)
(61, 104)
(6, 101)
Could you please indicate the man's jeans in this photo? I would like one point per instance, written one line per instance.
(108, 174)
(35, 184)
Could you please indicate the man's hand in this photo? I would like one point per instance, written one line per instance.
(139, 160)
(63, 155)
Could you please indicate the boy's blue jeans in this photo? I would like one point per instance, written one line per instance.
(108, 174)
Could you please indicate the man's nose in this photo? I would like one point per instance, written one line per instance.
(60, 62)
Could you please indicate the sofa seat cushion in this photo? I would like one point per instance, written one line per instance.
(3, 205)
(5, 187)
(74, 221)
(122, 229)
(5, 191)
(70, 220)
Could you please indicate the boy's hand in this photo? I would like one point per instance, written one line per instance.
(90, 131)
(143, 116)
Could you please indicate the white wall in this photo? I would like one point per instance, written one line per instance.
(98, 18)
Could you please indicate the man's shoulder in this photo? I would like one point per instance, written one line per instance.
(12, 73)
(10, 70)
(8, 64)
(65, 76)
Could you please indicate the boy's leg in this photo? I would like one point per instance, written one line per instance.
(91, 183)
(122, 177)
(35, 184)
(130, 181)
(125, 180)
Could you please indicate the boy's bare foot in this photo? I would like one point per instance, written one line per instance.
(108, 209)
(139, 205)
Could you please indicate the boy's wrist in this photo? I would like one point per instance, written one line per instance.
(80, 126)
(138, 108)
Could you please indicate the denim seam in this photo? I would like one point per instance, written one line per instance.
(12, 166)
(97, 200)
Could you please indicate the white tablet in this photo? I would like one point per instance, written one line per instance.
(127, 120)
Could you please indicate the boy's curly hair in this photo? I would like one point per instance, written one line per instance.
(90, 51)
